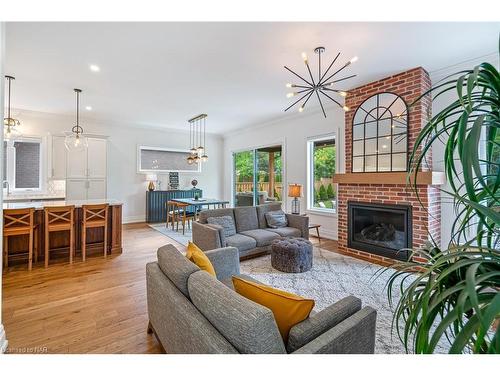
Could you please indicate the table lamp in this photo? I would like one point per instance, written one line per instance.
(151, 178)
(295, 192)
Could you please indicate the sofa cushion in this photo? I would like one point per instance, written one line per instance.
(289, 309)
(263, 209)
(245, 218)
(241, 242)
(249, 327)
(204, 215)
(176, 267)
(286, 231)
(276, 219)
(198, 257)
(226, 222)
(263, 237)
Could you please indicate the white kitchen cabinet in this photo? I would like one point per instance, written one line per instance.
(57, 170)
(96, 158)
(76, 189)
(77, 164)
(96, 189)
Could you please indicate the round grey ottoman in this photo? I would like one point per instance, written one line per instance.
(292, 255)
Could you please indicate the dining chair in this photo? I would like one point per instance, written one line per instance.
(172, 213)
(184, 216)
(57, 219)
(94, 216)
(18, 222)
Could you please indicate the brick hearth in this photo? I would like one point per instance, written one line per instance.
(426, 214)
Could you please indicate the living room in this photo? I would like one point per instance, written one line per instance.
(319, 187)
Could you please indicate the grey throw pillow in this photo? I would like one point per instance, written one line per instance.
(276, 219)
(226, 222)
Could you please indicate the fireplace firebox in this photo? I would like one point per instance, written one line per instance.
(381, 229)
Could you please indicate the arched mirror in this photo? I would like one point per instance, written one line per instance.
(380, 134)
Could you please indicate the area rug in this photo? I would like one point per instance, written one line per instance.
(333, 277)
(176, 236)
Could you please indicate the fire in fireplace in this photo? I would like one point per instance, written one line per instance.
(382, 229)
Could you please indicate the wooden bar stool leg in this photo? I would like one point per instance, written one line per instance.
(71, 245)
(6, 251)
(84, 240)
(106, 239)
(35, 249)
(30, 250)
(46, 245)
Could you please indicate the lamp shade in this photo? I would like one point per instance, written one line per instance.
(151, 177)
(294, 190)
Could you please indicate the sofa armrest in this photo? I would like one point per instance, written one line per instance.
(220, 229)
(354, 335)
(206, 237)
(299, 222)
(319, 323)
(226, 261)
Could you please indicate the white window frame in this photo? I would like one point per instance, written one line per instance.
(310, 174)
(11, 165)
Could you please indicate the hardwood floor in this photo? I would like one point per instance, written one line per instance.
(93, 307)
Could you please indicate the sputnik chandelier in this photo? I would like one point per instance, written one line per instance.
(197, 139)
(323, 86)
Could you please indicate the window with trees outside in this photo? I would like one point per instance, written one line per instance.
(322, 192)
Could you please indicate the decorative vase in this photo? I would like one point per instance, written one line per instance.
(151, 186)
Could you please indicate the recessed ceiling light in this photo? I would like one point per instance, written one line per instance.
(88, 108)
(94, 68)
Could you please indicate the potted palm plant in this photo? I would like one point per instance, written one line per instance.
(455, 296)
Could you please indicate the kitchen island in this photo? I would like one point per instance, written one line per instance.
(61, 240)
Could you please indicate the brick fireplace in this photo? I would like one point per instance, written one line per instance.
(390, 187)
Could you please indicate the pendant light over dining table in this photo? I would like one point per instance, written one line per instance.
(197, 139)
(11, 125)
(76, 141)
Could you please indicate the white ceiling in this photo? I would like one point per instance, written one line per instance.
(161, 74)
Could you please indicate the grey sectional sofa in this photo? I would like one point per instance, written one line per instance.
(193, 312)
(253, 236)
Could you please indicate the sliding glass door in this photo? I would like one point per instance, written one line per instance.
(257, 176)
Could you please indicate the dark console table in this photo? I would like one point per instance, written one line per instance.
(156, 210)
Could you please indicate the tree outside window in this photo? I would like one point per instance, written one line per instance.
(322, 169)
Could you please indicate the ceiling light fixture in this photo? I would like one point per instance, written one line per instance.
(309, 87)
(88, 108)
(94, 68)
(10, 130)
(197, 139)
(76, 141)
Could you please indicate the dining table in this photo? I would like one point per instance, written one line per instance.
(200, 202)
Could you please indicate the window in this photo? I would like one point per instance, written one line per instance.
(22, 164)
(322, 192)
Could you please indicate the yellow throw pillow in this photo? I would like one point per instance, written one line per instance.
(288, 308)
(198, 257)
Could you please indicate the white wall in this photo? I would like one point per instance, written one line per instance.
(124, 183)
(293, 132)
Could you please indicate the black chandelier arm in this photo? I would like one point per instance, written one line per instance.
(307, 99)
(337, 71)
(338, 80)
(298, 100)
(320, 103)
(329, 97)
(327, 70)
(303, 79)
(302, 87)
(310, 73)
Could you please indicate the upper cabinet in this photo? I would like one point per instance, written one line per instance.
(96, 158)
(57, 165)
(89, 163)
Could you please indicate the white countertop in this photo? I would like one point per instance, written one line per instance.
(28, 197)
(76, 203)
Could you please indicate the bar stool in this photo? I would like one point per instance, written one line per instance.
(57, 219)
(17, 222)
(94, 216)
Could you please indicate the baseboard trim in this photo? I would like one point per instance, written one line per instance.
(3, 340)
(134, 219)
(325, 233)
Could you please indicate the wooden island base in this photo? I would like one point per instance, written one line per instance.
(59, 241)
